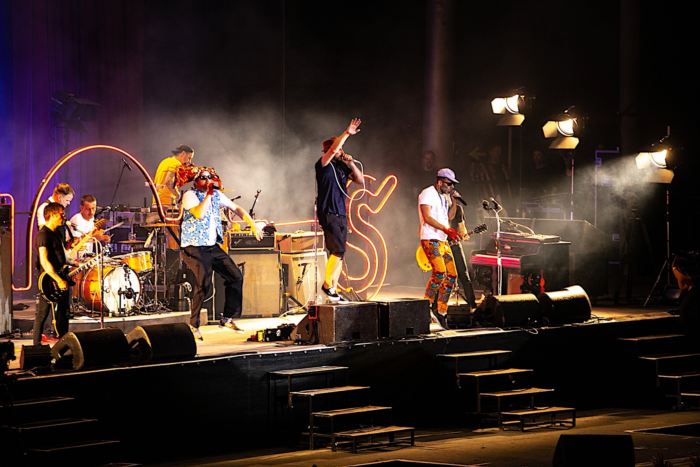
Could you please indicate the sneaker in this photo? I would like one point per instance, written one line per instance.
(228, 323)
(331, 294)
(196, 333)
(48, 339)
(442, 319)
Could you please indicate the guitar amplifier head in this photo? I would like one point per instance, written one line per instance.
(299, 242)
(239, 241)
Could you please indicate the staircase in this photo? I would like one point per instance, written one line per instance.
(50, 431)
(672, 362)
(506, 394)
(338, 413)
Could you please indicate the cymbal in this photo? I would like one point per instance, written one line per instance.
(132, 242)
(157, 225)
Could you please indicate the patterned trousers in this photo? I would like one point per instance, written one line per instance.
(444, 276)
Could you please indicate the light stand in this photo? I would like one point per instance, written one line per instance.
(667, 260)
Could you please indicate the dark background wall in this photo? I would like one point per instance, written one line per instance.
(255, 86)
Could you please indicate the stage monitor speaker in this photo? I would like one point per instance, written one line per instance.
(508, 310)
(301, 275)
(171, 341)
(598, 450)
(333, 323)
(5, 269)
(570, 305)
(35, 356)
(403, 317)
(91, 349)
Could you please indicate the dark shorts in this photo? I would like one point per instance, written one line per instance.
(335, 232)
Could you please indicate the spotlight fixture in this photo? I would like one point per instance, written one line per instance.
(655, 161)
(565, 130)
(510, 109)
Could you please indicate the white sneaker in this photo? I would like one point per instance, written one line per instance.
(195, 332)
(331, 294)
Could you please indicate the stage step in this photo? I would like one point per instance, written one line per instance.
(675, 383)
(84, 452)
(331, 415)
(28, 410)
(313, 370)
(355, 436)
(57, 430)
(690, 399)
(656, 344)
(531, 418)
(327, 370)
(311, 393)
(490, 355)
(499, 396)
(350, 411)
(673, 362)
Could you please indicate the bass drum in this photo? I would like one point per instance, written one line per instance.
(121, 289)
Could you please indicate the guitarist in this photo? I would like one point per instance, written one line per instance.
(436, 207)
(83, 223)
(52, 259)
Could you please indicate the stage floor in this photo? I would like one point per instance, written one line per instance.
(220, 341)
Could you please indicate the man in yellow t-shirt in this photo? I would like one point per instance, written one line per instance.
(164, 180)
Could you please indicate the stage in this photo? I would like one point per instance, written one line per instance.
(225, 398)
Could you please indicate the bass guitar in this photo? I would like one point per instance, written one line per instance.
(422, 259)
(49, 288)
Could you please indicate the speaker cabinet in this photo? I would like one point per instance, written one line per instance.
(5, 269)
(570, 305)
(172, 341)
(403, 317)
(262, 285)
(300, 274)
(509, 310)
(35, 356)
(91, 349)
(333, 323)
(598, 450)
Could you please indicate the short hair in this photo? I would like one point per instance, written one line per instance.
(53, 208)
(87, 199)
(182, 148)
(328, 143)
(63, 189)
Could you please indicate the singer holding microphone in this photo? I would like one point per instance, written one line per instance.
(200, 239)
(436, 206)
(333, 169)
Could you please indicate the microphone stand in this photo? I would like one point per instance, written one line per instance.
(499, 264)
(255, 200)
(101, 269)
(119, 180)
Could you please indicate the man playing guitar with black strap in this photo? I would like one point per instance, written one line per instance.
(52, 259)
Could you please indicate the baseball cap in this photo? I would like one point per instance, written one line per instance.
(448, 174)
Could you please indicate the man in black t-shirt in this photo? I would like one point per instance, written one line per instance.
(52, 258)
(333, 170)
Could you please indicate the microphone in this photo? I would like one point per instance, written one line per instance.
(459, 198)
(496, 206)
(485, 205)
(126, 164)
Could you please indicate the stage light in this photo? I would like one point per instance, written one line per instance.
(510, 109)
(564, 130)
(655, 161)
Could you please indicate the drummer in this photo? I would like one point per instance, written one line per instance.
(82, 226)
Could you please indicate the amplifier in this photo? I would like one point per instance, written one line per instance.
(298, 242)
(248, 242)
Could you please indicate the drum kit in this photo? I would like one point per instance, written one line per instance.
(125, 284)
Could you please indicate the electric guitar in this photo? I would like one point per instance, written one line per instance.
(422, 259)
(48, 287)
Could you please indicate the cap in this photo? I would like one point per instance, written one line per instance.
(182, 147)
(448, 174)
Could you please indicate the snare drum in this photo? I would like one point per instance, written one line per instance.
(121, 289)
(139, 261)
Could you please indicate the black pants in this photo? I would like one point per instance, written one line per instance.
(43, 311)
(202, 260)
(463, 274)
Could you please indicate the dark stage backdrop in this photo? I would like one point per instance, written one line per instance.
(87, 47)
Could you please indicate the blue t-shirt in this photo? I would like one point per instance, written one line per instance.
(331, 199)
